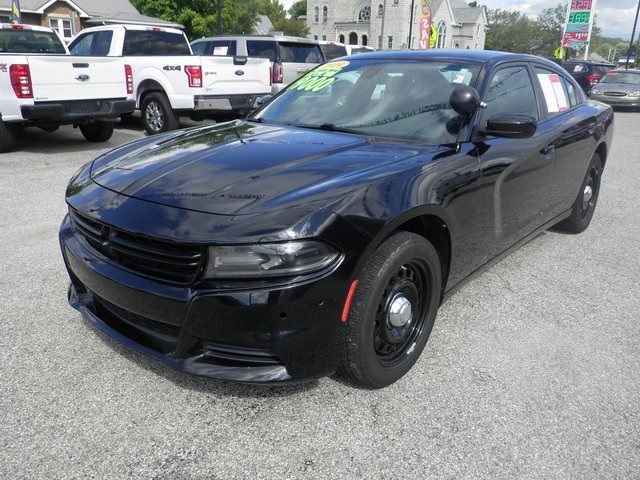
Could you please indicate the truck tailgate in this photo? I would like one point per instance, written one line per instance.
(221, 76)
(77, 78)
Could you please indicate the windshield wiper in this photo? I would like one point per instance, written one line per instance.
(256, 120)
(330, 127)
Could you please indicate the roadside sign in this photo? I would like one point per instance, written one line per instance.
(579, 24)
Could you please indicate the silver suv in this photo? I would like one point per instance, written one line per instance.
(291, 57)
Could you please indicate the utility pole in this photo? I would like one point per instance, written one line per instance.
(633, 34)
(413, 9)
(384, 14)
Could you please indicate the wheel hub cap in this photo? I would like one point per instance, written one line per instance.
(587, 195)
(155, 118)
(400, 311)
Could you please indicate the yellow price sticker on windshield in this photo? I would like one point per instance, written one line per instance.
(320, 78)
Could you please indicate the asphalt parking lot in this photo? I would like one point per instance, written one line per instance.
(532, 370)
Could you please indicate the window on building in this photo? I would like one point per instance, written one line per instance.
(325, 14)
(510, 91)
(316, 14)
(62, 26)
(341, 39)
(324, 38)
(5, 19)
(396, 2)
(380, 10)
(390, 42)
(353, 38)
(365, 40)
(442, 34)
(315, 37)
(364, 16)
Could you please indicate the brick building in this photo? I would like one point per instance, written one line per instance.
(69, 17)
(360, 22)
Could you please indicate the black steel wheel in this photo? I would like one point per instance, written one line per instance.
(586, 201)
(393, 311)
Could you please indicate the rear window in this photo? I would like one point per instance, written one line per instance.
(602, 69)
(24, 41)
(333, 51)
(94, 44)
(300, 53)
(222, 48)
(262, 49)
(148, 42)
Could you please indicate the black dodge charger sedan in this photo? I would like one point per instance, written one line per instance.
(322, 233)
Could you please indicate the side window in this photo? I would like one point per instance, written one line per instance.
(262, 49)
(198, 48)
(177, 44)
(554, 91)
(82, 45)
(222, 48)
(300, 52)
(574, 99)
(102, 44)
(511, 92)
(143, 42)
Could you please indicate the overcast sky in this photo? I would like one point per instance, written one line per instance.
(615, 17)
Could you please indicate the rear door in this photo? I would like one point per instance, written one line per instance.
(59, 78)
(298, 58)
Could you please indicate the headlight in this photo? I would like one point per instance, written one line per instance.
(635, 94)
(269, 260)
(595, 91)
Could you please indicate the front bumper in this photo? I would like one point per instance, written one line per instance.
(77, 110)
(615, 101)
(268, 334)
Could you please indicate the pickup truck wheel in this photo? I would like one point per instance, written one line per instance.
(7, 137)
(97, 131)
(393, 311)
(157, 114)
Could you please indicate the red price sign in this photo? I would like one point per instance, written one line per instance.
(581, 5)
(579, 36)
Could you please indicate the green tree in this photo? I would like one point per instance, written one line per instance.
(291, 26)
(549, 28)
(510, 31)
(271, 8)
(200, 17)
(298, 9)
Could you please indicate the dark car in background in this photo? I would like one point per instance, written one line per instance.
(619, 88)
(586, 72)
(323, 232)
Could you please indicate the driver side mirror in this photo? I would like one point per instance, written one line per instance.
(510, 126)
(263, 99)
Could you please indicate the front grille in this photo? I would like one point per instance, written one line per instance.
(240, 356)
(169, 262)
(615, 94)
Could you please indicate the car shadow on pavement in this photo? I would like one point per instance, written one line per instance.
(201, 384)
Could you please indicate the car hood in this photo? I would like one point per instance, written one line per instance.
(246, 168)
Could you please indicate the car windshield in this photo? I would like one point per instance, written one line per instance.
(400, 99)
(631, 78)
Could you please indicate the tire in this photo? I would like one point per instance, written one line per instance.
(97, 131)
(7, 137)
(157, 114)
(376, 348)
(586, 201)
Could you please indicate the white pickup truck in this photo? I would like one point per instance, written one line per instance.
(41, 85)
(169, 81)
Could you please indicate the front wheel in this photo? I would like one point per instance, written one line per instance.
(157, 114)
(392, 313)
(586, 201)
(97, 131)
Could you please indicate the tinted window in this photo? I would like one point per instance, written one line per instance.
(390, 98)
(262, 49)
(198, 48)
(575, 67)
(602, 69)
(148, 42)
(333, 51)
(24, 41)
(96, 44)
(574, 99)
(300, 53)
(511, 92)
(554, 91)
(224, 48)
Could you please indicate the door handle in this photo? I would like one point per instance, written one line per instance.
(548, 150)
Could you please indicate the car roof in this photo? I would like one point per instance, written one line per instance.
(485, 57)
(277, 38)
(19, 26)
(127, 26)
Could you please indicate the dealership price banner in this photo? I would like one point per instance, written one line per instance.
(577, 29)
